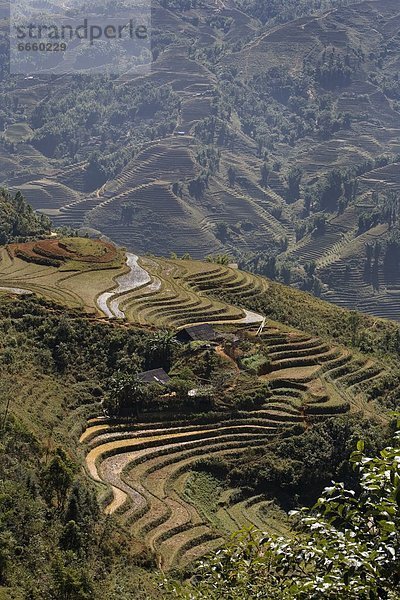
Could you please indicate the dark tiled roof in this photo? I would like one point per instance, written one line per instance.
(154, 376)
(204, 333)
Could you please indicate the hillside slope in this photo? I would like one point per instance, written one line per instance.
(224, 146)
(244, 426)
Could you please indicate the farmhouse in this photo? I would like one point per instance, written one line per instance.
(196, 333)
(154, 376)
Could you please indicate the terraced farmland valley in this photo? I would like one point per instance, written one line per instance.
(147, 291)
(183, 511)
(150, 471)
(223, 383)
(151, 407)
(269, 133)
(200, 305)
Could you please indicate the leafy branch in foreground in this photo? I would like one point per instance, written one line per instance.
(346, 547)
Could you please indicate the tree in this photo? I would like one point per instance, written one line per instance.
(222, 231)
(319, 225)
(18, 220)
(308, 198)
(71, 582)
(160, 348)
(71, 537)
(347, 546)
(265, 173)
(82, 507)
(125, 395)
(293, 180)
(310, 267)
(330, 189)
(58, 478)
(232, 176)
(7, 544)
(219, 259)
(355, 320)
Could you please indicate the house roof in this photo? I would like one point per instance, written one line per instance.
(154, 376)
(204, 333)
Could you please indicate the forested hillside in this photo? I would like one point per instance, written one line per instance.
(54, 541)
(266, 131)
(18, 221)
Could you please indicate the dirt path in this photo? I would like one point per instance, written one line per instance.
(221, 352)
(252, 318)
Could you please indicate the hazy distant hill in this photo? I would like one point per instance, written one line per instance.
(223, 147)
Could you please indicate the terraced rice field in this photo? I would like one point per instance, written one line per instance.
(179, 293)
(148, 467)
(183, 514)
(310, 378)
(47, 195)
(18, 132)
(164, 220)
(72, 288)
(340, 257)
(149, 291)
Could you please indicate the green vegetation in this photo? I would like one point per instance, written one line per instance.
(203, 490)
(238, 428)
(266, 134)
(64, 125)
(227, 443)
(346, 546)
(18, 222)
(299, 309)
(54, 369)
